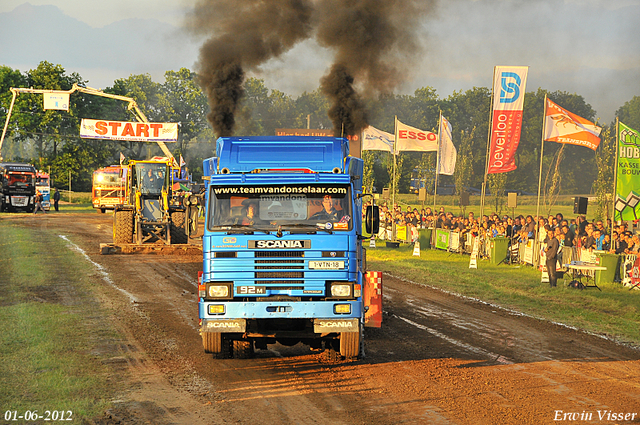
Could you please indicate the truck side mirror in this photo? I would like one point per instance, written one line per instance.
(372, 219)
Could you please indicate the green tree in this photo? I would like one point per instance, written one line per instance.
(469, 112)
(10, 78)
(629, 113)
(605, 160)
(46, 129)
(187, 105)
(464, 163)
(497, 184)
(367, 174)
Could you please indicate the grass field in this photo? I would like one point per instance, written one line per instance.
(50, 319)
(614, 312)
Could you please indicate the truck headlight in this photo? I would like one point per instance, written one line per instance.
(341, 290)
(219, 290)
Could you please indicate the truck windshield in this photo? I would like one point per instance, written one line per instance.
(20, 179)
(303, 207)
(107, 179)
(42, 181)
(150, 177)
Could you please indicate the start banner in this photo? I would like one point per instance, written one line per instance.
(509, 84)
(130, 131)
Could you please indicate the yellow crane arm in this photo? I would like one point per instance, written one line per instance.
(132, 106)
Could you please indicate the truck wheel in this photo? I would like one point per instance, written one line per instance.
(100, 210)
(242, 349)
(216, 344)
(178, 229)
(350, 344)
(330, 354)
(123, 227)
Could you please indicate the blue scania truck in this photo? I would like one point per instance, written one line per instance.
(283, 256)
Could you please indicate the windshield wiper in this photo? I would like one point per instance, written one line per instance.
(242, 228)
(305, 227)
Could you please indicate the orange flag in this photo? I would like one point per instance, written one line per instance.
(562, 126)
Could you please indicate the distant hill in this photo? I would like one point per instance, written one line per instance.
(30, 34)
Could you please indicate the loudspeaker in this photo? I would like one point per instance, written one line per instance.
(464, 199)
(512, 200)
(580, 205)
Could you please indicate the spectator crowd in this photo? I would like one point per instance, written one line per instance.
(573, 234)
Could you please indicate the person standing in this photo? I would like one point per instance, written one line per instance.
(551, 251)
(38, 202)
(56, 199)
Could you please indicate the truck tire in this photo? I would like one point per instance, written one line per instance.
(123, 226)
(350, 345)
(330, 353)
(242, 349)
(178, 229)
(216, 344)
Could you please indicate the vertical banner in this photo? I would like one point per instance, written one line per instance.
(627, 202)
(509, 83)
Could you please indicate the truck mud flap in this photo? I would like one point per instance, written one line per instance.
(336, 325)
(224, 326)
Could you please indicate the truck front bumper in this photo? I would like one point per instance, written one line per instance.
(280, 309)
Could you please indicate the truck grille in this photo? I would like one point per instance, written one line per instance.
(272, 254)
(279, 275)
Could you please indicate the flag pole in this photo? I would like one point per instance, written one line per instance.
(435, 189)
(486, 161)
(535, 229)
(615, 178)
(393, 177)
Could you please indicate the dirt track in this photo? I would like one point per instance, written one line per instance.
(437, 359)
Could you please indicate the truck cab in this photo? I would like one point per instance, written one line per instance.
(17, 187)
(283, 259)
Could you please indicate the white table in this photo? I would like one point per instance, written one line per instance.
(580, 269)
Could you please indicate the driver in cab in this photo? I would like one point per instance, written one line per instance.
(328, 211)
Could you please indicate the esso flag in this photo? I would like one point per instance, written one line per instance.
(413, 139)
(130, 131)
(509, 84)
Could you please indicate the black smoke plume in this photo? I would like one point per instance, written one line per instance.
(374, 43)
(347, 112)
(246, 34)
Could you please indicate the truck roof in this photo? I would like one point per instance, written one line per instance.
(18, 166)
(317, 154)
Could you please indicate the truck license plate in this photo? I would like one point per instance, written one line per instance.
(326, 265)
(19, 201)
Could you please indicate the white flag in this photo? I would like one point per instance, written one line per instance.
(447, 153)
(413, 139)
(376, 140)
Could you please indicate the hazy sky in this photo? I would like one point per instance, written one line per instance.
(589, 47)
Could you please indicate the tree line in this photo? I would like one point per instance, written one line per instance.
(50, 140)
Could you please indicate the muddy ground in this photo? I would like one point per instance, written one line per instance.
(438, 359)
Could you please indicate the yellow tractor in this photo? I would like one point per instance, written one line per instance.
(149, 212)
